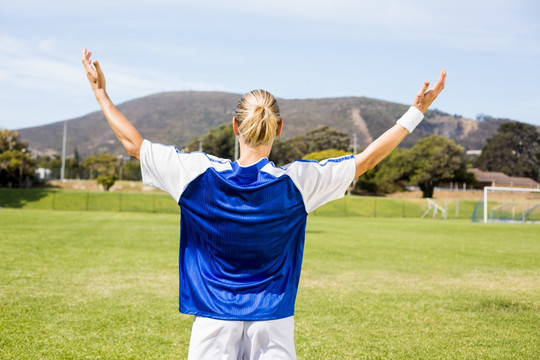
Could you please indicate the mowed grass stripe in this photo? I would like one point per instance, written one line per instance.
(101, 285)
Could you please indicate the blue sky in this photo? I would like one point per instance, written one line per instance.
(296, 49)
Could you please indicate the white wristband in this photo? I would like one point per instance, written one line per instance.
(411, 119)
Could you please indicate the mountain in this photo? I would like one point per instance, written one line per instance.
(179, 117)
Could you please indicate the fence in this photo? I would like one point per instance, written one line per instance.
(368, 206)
(87, 201)
(157, 202)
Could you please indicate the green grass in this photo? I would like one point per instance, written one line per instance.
(371, 206)
(412, 289)
(53, 199)
(103, 285)
(361, 206)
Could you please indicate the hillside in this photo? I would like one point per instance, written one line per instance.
(178, 117)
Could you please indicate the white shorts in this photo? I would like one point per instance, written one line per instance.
(242, 340)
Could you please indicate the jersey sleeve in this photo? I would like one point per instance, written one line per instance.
(321, 182)
(168, 169)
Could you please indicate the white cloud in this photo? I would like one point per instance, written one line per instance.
(24, 65)
(37, 67)
(458, 24)
(143, 53)
(129, 82)
(462, 24)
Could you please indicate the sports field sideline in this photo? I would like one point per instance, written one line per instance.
(138, 201)
(103, 285)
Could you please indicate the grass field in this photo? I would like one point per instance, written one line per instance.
(131, 196)
(361, 206)
(103, 285)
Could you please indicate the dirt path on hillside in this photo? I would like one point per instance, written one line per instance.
(360, 123)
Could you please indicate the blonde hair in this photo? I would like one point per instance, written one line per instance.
(257, 114)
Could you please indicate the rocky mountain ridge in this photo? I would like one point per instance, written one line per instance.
(179, 117)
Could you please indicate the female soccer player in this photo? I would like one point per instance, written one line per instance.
(243, 223)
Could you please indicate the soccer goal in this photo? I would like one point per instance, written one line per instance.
(434, 208)
(506, 204)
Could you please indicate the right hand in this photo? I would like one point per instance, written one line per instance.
(94, 73)
(425, 98)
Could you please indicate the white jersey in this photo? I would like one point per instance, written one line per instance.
(242, 227)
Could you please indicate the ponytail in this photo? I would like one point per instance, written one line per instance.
(257, 115)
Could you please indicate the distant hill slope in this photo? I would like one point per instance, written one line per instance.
(178, 117)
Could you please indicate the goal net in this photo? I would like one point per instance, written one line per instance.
(505, 204)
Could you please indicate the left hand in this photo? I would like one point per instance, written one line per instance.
(94, 73)
(424, 98)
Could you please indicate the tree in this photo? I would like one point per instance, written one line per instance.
(102, 164)
(434, 160)
(16, 165)
(131, 170)
(325, 154)
(54, 164)
(74, 164)
(104, 167)
(16, 162)
(11, 140)
(513, 150)
(285, 152)
(107, 181)
(218, 142)
(317, 140)
(324, 137)
(390, 175)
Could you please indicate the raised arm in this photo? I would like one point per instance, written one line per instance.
(124, 130)
(388, 141)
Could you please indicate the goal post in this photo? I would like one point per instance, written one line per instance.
(519, 205)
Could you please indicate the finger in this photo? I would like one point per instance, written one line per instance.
(442, 75)
(439, 85)
(99, 72)
(87, 65)
(424, 89)
(84, 57)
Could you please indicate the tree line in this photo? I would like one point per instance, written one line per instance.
(431, 161)
(18, 166)
(435, 160)
(514, 150)
(105, 168)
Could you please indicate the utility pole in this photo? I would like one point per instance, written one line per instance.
(354, 153)
(63, 170)
(235, 148)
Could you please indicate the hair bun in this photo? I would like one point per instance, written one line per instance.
(259, 109)
(257, 115)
